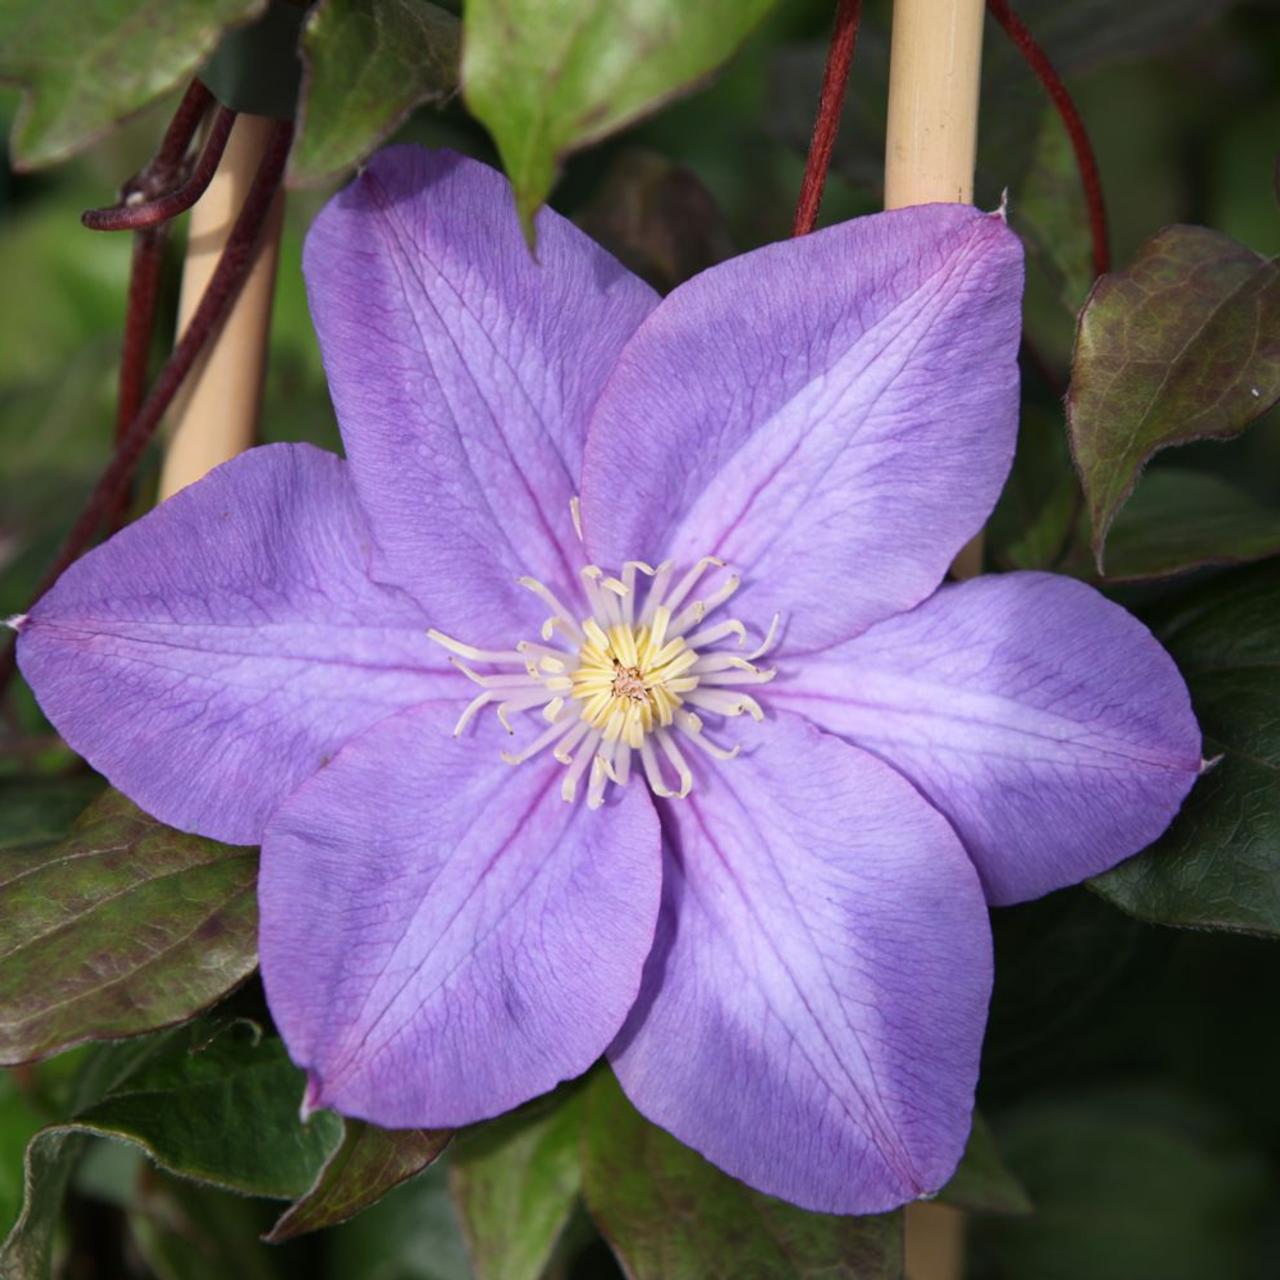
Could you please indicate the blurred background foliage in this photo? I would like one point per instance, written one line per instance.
(1131, 1069)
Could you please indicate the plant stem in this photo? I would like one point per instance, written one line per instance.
(135, 347)
(224, 287)
(182, 128)
(139, 324)
(147, 202)
(139, 214)
(215, 415)
(835, 80)
(1086, 161)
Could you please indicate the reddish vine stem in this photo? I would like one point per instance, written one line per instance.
(177, 137)
(164, 170)
(139, 323)
(135, 348)
(147, 217)
(1036, 58)
(137, 214)
(835, 80)
(219, 296)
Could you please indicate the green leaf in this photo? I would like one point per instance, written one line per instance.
(983, 1182)
(669, 1215)
(123, 927)
(1182, 345)
(1218, 866)
(256, 68)
(214, 1101)
(1129, 1184)
(1180, 519)
(20, 1118)
(222, 1110)
(51, 1156)
(367, 1164)
(1051, 214)
(515, 1182)
(367, 64)
(87, 64)
(548, 76)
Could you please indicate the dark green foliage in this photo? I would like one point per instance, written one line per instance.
(87, 64)
(670, 1215)
(1129, 1124)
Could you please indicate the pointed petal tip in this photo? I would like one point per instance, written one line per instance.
(17, 621)
(313, 1098)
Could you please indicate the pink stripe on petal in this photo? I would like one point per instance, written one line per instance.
(813, 1010)
(443, 937)
(463, 371)
(215, 653)
(1047, 723)
(834, 416)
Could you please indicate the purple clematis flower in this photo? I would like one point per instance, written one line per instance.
(753, 775)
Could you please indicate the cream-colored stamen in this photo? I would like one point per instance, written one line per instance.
(622, 679)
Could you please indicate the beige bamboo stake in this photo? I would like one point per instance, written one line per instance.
(931, 143)
(215, 415)
(934, 1238)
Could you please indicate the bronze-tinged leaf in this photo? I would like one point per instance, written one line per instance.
(1183, 345)
(123, 927)
(367, 1164)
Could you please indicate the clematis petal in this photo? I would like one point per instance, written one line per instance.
(1043, 720)
(813, 1009)
(212, 655)
(443, 937)
(462, 371)
(834, 416)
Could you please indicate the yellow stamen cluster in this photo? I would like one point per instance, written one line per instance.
(638, 669)
(630, 679)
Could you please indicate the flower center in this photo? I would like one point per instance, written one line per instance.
(627, 680)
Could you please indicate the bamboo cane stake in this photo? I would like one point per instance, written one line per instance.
(934, 1239)
(215, 416)
(931, 143)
